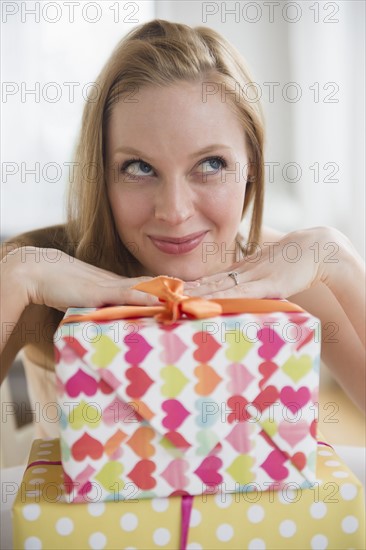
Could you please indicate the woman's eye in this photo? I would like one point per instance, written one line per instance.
(136, 168)
(213, 165)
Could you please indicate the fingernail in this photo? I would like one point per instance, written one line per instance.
(192, 284)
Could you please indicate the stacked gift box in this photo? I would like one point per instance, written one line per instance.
(330, 514)
(215, 401)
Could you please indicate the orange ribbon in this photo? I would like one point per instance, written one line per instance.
(175, 304)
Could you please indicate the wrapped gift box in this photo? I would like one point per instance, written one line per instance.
(331, 514)
(153, 409)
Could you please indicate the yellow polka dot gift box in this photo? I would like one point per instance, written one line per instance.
(330, 514)
(201, 394)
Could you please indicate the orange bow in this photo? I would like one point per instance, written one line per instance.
(169, 290)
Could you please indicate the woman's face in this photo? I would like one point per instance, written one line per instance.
(176, 175)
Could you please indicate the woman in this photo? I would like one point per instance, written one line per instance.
(169, 162)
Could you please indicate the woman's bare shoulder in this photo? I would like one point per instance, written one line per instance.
(269, 235)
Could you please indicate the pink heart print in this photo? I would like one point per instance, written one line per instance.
(139, 348)
(307, 335)
(240, 376)
(141, 474)
(173, 348)
(87, 446)
(295, 400)
(81, 383)
(177, 440)
(119, 411)
(104, 387)
(140, 382)
(293, 432)
(207, 347)
(74, 344)
(85, 474)
(169, 328)
(176, 414)
(266, 398)
(174, 473)
(207, 471)
(298, 319)
(83, 491)
(217, 449)
(81, 484)
(67, 355)
(239, 404)
(108, 382)
(274, 465)
(299, 460)
(271, 343)
(267, 368)
(239, 437)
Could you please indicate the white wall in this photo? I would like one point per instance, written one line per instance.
(36, 129)
(322, 47)
(323, 44)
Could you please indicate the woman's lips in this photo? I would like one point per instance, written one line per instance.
(179, 245)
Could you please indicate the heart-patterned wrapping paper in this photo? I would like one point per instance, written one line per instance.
(151, 410)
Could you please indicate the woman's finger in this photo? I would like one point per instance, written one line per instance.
(253, 289)
(222, 283)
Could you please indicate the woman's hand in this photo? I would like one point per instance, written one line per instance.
(33, 276)
(51, 277)
(297, 262)
(278, 269)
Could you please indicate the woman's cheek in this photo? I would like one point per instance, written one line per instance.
(126, 208)
(226, 204)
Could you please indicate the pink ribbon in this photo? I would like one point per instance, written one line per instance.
(186, 509)
(324, 443)
(42, 462)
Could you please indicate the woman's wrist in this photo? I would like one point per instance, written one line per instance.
(16, 278)
(14, 296)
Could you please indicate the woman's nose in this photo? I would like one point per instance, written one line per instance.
(173, 203)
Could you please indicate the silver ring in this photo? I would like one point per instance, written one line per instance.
(234, 275)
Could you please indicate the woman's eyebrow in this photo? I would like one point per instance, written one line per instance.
(208, 149)
(133, 151)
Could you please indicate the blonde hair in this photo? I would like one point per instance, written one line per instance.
(156, 53)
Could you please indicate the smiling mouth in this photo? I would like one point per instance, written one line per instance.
(178, 245)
